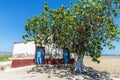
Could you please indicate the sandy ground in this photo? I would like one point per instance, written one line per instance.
(108, 64)
(27, 73)
(5, 63)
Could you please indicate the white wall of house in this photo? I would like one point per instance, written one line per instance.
(50, 49)
(28, 48)
(22, 50)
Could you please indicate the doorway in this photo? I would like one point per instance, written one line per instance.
(65, 55)
(39, 55)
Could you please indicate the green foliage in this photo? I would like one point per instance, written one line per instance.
(85, 27)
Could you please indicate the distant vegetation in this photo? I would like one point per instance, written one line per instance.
(5, 57)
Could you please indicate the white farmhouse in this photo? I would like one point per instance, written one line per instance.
(25, 54)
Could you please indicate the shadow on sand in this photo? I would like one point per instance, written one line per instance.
(68, 72)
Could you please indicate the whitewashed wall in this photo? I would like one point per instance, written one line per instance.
(50, 49)
(28, 48)
(22, 50)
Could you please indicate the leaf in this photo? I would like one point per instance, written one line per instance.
(46, 6)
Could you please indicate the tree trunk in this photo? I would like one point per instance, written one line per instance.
(79, 66)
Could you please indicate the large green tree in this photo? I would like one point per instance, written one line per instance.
(84, 28)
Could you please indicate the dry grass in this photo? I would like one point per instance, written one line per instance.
(111, 64)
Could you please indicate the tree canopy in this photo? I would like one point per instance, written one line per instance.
(85, 27)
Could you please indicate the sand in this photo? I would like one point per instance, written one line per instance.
(108, 64)
(26, 74)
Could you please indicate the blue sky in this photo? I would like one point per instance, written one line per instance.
(13, 14)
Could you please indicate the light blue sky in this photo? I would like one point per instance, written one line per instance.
(13, 14)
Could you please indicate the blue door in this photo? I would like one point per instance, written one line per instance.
(66, 55)
(39, 56)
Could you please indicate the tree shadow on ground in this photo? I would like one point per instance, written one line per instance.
(68, 72)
